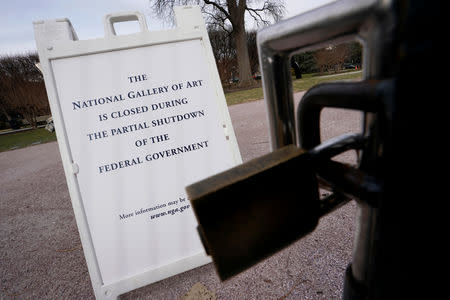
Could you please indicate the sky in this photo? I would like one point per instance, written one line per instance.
(86, 16)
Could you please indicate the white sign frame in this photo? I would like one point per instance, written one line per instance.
(56, 39)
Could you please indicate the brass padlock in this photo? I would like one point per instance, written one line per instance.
(253, 210)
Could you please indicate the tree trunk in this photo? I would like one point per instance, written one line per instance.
(8, 117)
(240, 40)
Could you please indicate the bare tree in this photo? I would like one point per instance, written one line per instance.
(332, 57)
(230, 16)
(224, 52)
(340, 54)
(253, 51)
(22, 88)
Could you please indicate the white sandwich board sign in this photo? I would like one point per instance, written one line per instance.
(138, 117)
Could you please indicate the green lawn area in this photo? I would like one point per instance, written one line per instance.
(298, 85)
(25, 138)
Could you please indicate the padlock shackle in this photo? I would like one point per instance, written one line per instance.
(362, 96)
(346, 181)
(349, 95)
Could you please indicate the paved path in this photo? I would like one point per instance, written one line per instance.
(41, 255)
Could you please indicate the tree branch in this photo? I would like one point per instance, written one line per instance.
(252, 11)
(220, 8)
(273, 8)
(218, 21)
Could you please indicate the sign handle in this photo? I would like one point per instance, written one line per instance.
(110, 19)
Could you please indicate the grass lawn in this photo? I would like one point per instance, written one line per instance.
(298, 85)
(25, 138)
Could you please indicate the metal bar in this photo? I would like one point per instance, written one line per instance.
(336, 21)
(373, 23)
(348, 180)
(338, 145)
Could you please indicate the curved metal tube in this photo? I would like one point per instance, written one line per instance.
(350, 95)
